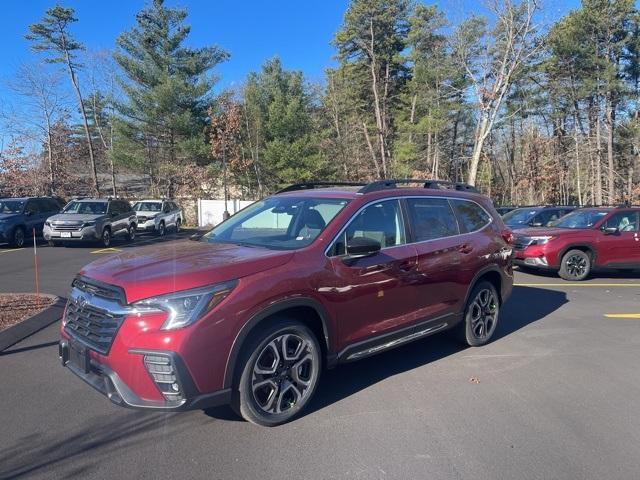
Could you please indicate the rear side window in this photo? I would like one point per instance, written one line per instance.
(471, 216)
(431, 218)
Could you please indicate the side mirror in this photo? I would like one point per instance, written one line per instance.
(196, 236)
(360, 247)
(610, 230)
(114, 214)
(28, 213)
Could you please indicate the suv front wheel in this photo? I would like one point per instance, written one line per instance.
(480, 315)
(106, 238)
(280, 371)
(575, 265)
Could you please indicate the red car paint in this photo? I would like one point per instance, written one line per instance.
(395, 289)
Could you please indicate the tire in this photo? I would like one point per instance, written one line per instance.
(480, 315)
(131, 233)
(575, 266)
(267, 390)
(105, 239)
(52, 243)
(18, 238)
(161, 229)
(178, 225)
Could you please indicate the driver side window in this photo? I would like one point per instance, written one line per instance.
(623, 221)
(381, 221)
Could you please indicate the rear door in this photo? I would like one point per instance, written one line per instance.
(439, 248)
(620, 249)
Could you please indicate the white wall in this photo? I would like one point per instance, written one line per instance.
(210, 211)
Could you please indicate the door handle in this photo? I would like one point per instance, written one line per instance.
(465, 248)
(407, 266)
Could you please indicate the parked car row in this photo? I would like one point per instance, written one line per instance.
(574, 241)
(84, 220)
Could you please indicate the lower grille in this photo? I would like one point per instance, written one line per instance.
(92, 326)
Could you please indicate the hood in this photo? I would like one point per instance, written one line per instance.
(167, 268)
(75, 217)
(544, 231)
(9, 216)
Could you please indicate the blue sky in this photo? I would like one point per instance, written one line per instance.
(298, 31)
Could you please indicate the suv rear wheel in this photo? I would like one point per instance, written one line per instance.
(480, 315)
(280, 371)
(575, 265)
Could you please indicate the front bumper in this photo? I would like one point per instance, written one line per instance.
(148, 226)
(83, 234)
(109, 383)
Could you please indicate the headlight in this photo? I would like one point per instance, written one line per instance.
(541, 240)
(90, 223)
(186, 307)
(47, 223)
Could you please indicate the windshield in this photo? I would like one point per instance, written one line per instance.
(86, 208)
(280, 223)
(580, 219)
(519, 216)
(11, 206)
(147, 207)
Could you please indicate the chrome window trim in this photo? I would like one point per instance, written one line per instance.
(448, 198)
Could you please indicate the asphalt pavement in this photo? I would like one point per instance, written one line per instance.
(556, 395)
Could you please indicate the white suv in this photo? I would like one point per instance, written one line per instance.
(158, 215)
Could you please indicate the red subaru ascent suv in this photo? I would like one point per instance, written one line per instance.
(582, 241)
(250, 313)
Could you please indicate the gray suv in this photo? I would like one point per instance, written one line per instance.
(91, 219)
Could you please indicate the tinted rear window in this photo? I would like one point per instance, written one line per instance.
(431, 218)
(471, 216)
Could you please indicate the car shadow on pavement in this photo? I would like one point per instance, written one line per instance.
(76, 452)
(526, 305)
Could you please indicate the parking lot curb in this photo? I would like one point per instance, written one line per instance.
(31, 325)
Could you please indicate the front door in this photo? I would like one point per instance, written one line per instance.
(622, 248)
(377, 294)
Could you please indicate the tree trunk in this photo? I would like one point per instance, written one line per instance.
(477, 147)
(611, 117)
(371, 150)
(76, 87)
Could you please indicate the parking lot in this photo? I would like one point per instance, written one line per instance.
(555, 395)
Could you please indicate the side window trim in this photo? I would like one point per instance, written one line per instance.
(331, 245)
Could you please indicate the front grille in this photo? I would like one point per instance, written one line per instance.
(94, 327)
(91, 324)
(66, 228)
(92, 287)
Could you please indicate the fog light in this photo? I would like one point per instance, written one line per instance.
(162, 371)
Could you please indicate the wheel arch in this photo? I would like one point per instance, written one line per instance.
(582, 246)
(492, 275)
(311, 312)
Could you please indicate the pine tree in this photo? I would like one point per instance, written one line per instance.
(162, 124)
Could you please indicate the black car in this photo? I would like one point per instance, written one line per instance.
(20, 217)
(536, 216)
(504, 210)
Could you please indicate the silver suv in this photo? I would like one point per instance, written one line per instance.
(91, 219)
(158, 215)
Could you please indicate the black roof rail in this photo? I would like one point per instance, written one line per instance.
(435, 184)
(312, 185)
